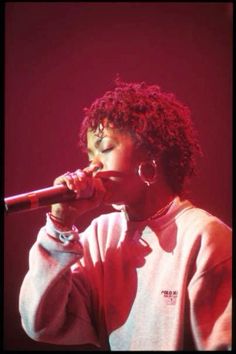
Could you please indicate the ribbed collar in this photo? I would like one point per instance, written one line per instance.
(177, 207)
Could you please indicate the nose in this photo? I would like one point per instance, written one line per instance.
(96, 167)
(93, 168)
(96, 164)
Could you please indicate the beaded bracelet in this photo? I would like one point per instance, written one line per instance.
(56, 230)
(58, 223)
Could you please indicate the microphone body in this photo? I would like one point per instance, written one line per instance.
(43, 197)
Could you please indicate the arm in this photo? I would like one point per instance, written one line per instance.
(54, 301)
(210, 290)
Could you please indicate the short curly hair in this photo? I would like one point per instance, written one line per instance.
(156, 120)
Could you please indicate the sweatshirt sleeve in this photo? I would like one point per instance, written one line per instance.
(210, 290)
(55, 301)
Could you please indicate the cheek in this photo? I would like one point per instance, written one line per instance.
(121, 161)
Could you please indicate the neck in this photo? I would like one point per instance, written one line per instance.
(153, 205)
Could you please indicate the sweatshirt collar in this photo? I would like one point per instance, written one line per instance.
(160, 222)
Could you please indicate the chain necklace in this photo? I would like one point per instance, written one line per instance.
(162, 211)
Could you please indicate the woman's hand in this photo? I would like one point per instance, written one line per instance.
(90, 192)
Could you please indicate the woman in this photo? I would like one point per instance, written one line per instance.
(155, 274)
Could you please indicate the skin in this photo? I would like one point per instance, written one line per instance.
(114, 162)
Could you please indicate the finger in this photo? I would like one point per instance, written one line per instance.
(99, 190)
(61, 179)
(85, 204)
(80, 174)
(91, 168)
(77, 180)
(73, 180)
(70, 179)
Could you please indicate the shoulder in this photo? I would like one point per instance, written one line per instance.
(201, 220)
(207, 235)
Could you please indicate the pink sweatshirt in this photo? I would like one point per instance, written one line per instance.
(162, 284)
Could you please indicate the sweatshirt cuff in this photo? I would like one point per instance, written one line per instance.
(66, 237)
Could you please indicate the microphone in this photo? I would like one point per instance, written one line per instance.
(55, 194)
(43, 197)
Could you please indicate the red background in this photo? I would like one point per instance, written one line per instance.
(60, 56)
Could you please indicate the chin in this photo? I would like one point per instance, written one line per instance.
(116, 202)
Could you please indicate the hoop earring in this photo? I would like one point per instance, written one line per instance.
(144, 172)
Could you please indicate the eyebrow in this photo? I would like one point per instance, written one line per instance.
(97, 142)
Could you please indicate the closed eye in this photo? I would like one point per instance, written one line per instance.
(107, 149)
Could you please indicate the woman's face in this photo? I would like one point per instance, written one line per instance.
(117, 157)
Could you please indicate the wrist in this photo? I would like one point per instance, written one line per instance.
(61, 223)
(61, 233)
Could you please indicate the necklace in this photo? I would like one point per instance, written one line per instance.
(162, 211)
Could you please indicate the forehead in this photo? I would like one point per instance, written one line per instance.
(118, 136)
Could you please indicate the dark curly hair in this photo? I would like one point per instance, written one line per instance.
(155, 120)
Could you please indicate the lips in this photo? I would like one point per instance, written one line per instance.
(107, 182)
(109, 174)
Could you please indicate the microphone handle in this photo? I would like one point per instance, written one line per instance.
(39, 198)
